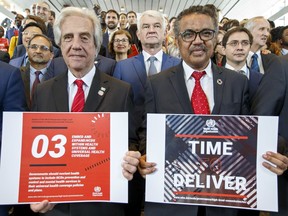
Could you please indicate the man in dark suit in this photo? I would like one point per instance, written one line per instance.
(39, 54)
(80, 40)
(58, 66)
(135, 70)
(111, 20)
(237, 43)
(12, 98)
(225, 92)
(273, 101)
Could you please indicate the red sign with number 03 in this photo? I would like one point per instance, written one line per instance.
(65, 157)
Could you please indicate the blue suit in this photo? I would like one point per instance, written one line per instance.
(12, 98)
(17, 62)
(132, 70)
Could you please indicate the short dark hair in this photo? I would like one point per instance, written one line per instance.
(199, 9)
(112, 11)
(132, 12)
(32, 24)
(234, 30)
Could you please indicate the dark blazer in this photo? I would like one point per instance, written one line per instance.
(254, 80)
(12, 97)
(4, 56)
(271, 99)
(167, 93)
(58, 66)
(266, 60)
(133, 71)
(52, 96)
(20, 50)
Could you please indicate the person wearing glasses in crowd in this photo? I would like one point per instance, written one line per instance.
(236, 46)
(224, 92)
(120, 45)
(40, 52)
(29, 31)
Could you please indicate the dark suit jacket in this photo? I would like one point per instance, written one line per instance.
(58, 66)
(20, 50)
(52, 96)
(4, 56)
(133, 71)
(254, 80)
(12, 97)
(167, 93)
(272, 99)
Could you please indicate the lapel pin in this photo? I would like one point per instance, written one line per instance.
(101, 93)
(103, 89)
(219, 82)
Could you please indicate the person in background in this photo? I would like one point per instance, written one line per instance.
(43, 11)
(260, 30)
(27, 12)
(51, 18)
(236, 45)
(14, 31)
(29, 31)
(40, 53)
(111, 20)
(283, 40)
(4, 42)
(123, 21)
(120, 45)
(219, 55)
(33, 9)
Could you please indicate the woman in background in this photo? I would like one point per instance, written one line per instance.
(120, 45)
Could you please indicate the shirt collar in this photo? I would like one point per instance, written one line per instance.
(158, 55)
(188, 70)
(87, 79)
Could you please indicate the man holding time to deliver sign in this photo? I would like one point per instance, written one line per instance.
(83, 88)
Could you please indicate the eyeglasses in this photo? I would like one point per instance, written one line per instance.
(124, 40)
(189, 35)
(42, 47)
(236, 43)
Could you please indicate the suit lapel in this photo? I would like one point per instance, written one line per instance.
(25, 73)
(139, 66)
(97, 92)
(219, 77)
(60, 93)
(179, 85)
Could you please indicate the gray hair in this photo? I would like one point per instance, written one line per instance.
(81, 12)
(252, 23)
(152, 13)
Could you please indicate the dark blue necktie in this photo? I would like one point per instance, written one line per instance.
(254, 64)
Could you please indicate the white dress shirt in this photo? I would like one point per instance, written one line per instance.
(206, 82)
(249, 60)
(72, 87)
(158, 62)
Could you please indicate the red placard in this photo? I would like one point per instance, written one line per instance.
(65, 158)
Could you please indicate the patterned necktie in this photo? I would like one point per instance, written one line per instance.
(254, 64)
(79, 99)
(36, 82)
(199, 100)
(152, 69)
